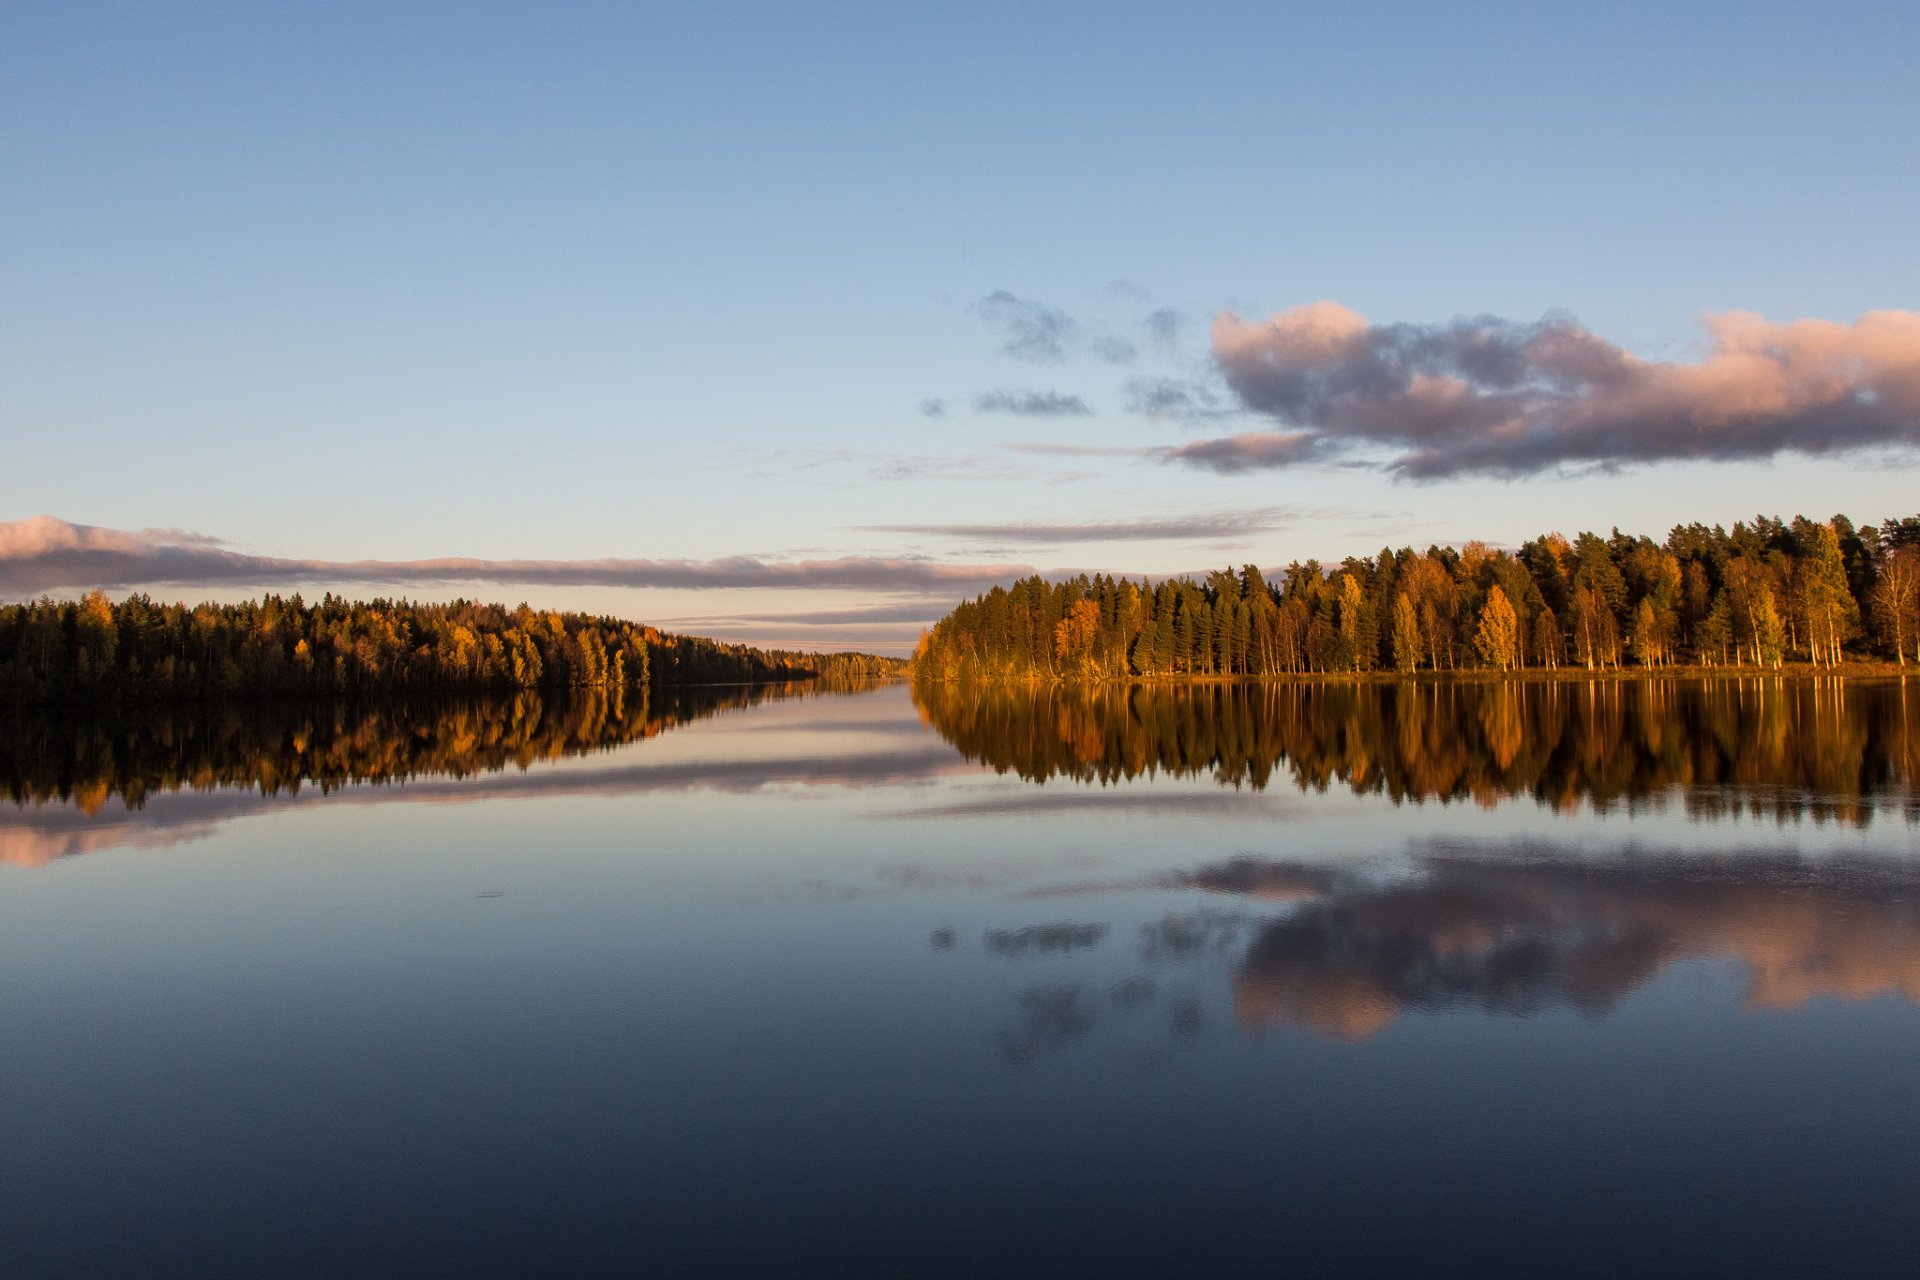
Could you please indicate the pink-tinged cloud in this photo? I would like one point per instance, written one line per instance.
(44, 554)
(1492, 396)
(1249, 451)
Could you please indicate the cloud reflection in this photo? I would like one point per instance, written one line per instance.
(1044, 939)
(1556, 931)
(34, 833)
(1509, 931)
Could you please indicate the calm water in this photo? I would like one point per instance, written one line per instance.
(1570, 979)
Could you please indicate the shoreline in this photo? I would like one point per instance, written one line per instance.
(1795, 672)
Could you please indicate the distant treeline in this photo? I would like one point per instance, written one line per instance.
(96, 650)
(1766, 592)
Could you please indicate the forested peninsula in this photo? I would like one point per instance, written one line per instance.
(95, 650)
(1765, 593)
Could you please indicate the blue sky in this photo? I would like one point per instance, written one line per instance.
(344, 282)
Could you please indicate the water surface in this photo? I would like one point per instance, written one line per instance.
(1345, 979)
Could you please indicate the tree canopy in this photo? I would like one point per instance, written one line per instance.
(1765, 592)
(97, 650)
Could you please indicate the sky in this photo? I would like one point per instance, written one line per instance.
(795, 324)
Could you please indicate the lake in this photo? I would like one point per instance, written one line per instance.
(1577, 978)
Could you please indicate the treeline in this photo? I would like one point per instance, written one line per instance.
(1826, 749)
(1764, 593)
(679, 659)
(94, 650)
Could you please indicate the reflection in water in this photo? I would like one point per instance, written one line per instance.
(1528, 930)
(275, 748)
(1046, 1018)
(164, 778)
(1044, 939)
(1068, 994)
(1519, 936)
(1827, 748)
(38, 833)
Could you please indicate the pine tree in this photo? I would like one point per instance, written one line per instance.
(1832, 616)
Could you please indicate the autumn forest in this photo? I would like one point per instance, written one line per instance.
(1766, 593)
(95, 650)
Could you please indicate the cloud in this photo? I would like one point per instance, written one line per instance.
(1031, 330)
(1032, 404)
(1483, 395)
(1249, 451)
(43, 553)
(894, 467)
(1163, 327)
(1043, 449)
(1219, 524)
(1170, 398)
(923, 610)
(933, 407)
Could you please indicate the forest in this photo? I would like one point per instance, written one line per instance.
(1765, 593)
(94, 650)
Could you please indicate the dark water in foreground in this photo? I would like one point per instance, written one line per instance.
(1575, 979)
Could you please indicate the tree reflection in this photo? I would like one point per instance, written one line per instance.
(279, 748)
(1828, 748)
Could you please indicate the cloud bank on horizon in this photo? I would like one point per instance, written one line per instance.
(1488, 396)
(44, 553)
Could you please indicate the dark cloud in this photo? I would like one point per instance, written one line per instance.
(1170, 398)
(44, 553)
(933, 407)
(1031, 330)
(1219, 524)
(1249, 451)
(1163, 327)
(1491, 396)
(1032, 404)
